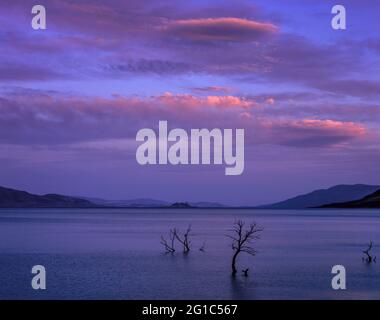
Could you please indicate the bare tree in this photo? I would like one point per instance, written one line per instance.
(185, 239)
(169, 246)
(242, 239)
(369, 258)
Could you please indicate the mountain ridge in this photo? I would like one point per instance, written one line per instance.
(371, 201)
(336, 196)
(12, 198)
(320, 197)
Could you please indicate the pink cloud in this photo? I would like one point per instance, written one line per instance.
(220, 29)
(192, 101)
(312, 132)
(30, 117)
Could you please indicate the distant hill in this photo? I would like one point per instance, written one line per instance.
(181, 205)
(341, 196)
(148, 203)
(318, 198)
(370, 201)
(10, 198)
(208, 205)
(136, 203)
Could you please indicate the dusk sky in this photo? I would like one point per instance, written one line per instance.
(73, 97)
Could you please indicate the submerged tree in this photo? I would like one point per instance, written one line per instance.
(369, 258)
(169, 246)
(185, 239)
(242, 239)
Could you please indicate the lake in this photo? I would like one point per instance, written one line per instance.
(116, 254)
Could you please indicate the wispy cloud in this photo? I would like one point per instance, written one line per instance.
(220, 29)
(44, 118)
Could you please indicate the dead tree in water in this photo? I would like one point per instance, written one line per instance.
(245, 272)
(169, 246)
(242, 241)
(369, 258)
(185, 240)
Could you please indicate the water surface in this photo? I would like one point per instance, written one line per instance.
(116, 254)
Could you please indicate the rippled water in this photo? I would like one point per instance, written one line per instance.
(116, 254)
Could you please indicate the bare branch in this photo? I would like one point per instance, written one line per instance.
(369, 258)
(185, 239)
(169, 246)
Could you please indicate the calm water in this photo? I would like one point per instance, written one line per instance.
(116, 254)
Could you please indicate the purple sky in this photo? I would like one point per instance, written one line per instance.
(72, 97)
